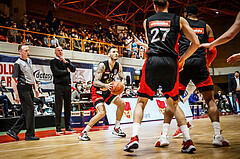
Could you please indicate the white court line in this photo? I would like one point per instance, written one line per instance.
(89, 142)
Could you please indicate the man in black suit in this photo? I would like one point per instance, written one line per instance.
(235, 89)
(61, 69)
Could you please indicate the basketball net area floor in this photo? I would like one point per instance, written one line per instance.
(105, 145)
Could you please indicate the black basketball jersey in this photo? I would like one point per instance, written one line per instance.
(199, 28)
(108, 75)
(162, 31)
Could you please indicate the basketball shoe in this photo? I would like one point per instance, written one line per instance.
(219, 140)
(133, 144)
(118, 132)
(179, 133)
(188, 147)
(83, 136)
(162, 141)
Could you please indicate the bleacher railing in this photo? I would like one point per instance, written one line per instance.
(100, 47)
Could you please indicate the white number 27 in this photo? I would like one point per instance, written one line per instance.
(155, 31)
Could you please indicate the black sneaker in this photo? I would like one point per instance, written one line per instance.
(118, 132)
(13, 134)
(83, 136)
(59, 131)
(69, 130)
(31, 138)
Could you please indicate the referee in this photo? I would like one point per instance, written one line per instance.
(23, 82)
(61, 69)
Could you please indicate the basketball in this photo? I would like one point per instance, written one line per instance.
(117, 88)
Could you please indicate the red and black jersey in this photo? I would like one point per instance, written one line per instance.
(199, 28)
(109, 75)
(162, 31)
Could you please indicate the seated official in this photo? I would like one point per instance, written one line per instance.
(194, 98)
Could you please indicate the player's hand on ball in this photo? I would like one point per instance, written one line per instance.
(109, 86)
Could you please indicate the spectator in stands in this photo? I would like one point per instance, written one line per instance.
(221, 102)
(194, 98)
(77, 92)
(128, 44)
(76, 44)
(235, 90)
(54, 41)
(127, 93)
(134, 91)
(24, 26)
(24, 19)
(134, 49)
(33, 25)
(12, 34)
(140, 53)
(3, 86)
(95, 28)
(62, 41)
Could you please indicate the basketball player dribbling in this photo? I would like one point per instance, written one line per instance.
(101, 93)
(162, 68)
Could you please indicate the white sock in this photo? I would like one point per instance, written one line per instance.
(216, 128)
(87, 128)
(185, 132)
(135, 130)
(165, 129)
(117, 124)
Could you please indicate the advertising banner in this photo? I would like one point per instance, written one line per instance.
(154, 110)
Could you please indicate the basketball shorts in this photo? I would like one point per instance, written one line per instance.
(159, 71)
(195, 69)
(101, 96)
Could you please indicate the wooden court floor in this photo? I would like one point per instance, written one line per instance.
(104, 145)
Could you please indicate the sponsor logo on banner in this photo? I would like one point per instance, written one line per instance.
(82, 75)
(128, 111)
(161, 105)
(42, 75)
(159, 23)
(6, 70)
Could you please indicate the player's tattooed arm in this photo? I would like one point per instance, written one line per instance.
(121, 75)
(98, 75)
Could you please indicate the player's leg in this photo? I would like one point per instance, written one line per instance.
(137, 119)
(101, 112)
(163, 140)
(218, 139)
(119, 102)
(188, 146)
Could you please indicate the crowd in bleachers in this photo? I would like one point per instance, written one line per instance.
(84, 39)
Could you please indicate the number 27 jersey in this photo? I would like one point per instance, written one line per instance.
(162, 31)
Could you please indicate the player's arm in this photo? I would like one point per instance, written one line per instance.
(234, 58)
(98, 75)
(213, 52)
(227, 36)
(189, 33)
(121, 75)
